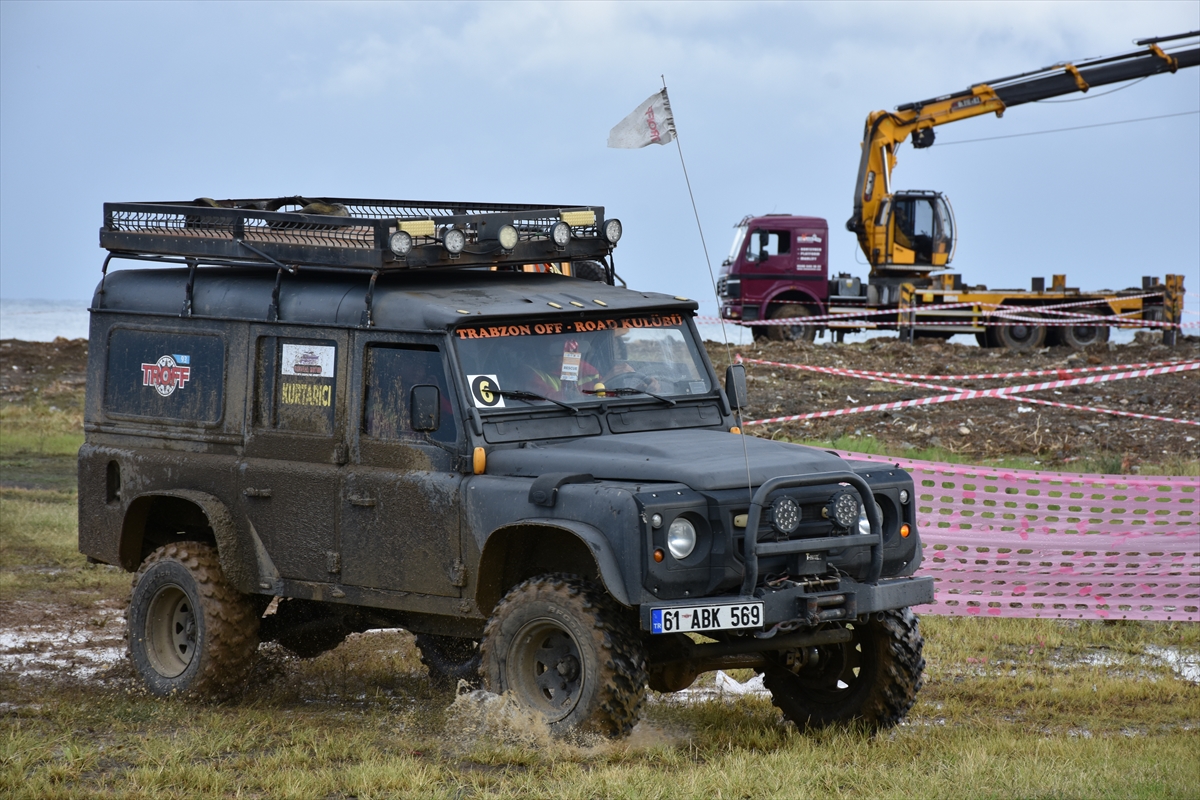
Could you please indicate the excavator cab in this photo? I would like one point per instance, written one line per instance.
(920, 228)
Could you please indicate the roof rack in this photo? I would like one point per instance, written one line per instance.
(349, 234)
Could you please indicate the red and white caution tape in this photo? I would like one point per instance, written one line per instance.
(1005, 392)
(1028, 373)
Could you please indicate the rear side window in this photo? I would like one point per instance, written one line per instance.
(297, 385)
(164, 375)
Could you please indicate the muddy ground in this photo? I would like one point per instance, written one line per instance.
(982, 428)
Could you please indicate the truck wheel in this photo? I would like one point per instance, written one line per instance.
(791, 333)
(191, 633)
(1020, 337)
(449, 659)
(874, 678)
(563, 648)
(1078, 337)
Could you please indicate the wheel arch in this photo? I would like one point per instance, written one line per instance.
(156, 518)
(794, 294)
(533, 547)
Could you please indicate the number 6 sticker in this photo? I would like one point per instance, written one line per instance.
(485, 391)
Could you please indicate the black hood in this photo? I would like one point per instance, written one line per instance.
(704, 460)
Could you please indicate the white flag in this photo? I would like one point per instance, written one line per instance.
(650, 123)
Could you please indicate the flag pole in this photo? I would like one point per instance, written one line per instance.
(737, 412)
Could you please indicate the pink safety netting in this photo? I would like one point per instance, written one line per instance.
(1021, 543)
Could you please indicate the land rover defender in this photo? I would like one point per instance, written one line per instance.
(309, 418)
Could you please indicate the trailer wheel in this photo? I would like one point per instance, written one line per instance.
(191, 634)
(874, 678)
(1080, 336)
(1020, 337)
(791, 333)
(564, 649)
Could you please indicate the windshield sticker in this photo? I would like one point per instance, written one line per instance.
(576, 326)
(310, 361)
(570, 361)
(166, 375)
(485, 391)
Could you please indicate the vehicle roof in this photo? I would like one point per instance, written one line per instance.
(401, 301)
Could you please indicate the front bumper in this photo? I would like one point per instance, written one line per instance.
(816, 603)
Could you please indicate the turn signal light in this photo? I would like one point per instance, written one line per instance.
(479, 461)
(658, 556)
(905, 531)
(735, 429)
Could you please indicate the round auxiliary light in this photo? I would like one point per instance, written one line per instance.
(656, 521)
(843, 509)
(681, 538)
(508, 237)
(612, 230)
(454, 240)
(904, 496)
(561, 234)
(864, 524)
(785, 515)
(400, 243)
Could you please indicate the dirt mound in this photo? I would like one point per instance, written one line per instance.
(984, 428)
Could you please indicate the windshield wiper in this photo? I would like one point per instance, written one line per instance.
(625, 391)
(517, 394)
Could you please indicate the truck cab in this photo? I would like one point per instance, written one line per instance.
(777, 268)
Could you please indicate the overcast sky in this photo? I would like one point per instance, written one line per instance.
(513, 102)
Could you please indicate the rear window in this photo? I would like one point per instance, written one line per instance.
(164, 375)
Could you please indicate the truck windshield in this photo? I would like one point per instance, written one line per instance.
(739, 236)
(575, 362)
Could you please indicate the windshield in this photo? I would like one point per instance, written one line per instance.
(581, 361)
(739, 236)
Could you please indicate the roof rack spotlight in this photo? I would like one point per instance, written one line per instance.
(561, 234)
(507, 237)
(454, 240)
(612, 231)
(579, 219)
(400, 243)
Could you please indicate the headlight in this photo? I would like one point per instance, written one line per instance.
(843, 510)
(400, 243)
(864, 524)
(785, 515)
(681, 538)
(508, 237)
(455, 240)
(561, 234)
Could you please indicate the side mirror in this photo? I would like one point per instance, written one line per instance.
(735, 386)
(764, 241)
(426, 407)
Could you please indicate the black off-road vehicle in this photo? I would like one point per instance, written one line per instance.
(309, 418)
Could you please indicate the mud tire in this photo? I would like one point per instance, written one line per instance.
(791, 333)
(449, 659)
(590, 271)
(597, 679)
(886, 652)
(191, 634)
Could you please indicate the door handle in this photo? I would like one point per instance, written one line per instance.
(256, 492)
(365, 502)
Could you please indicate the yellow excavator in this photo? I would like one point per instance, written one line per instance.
(910, 234)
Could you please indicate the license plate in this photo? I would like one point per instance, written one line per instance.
(706, 618)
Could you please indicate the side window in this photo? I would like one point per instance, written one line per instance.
(391, 374)
(773, 242)
(297, 385)
(165, 375)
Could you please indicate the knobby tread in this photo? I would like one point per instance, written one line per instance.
(893, 644)
(231, 622)
(623, 689)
